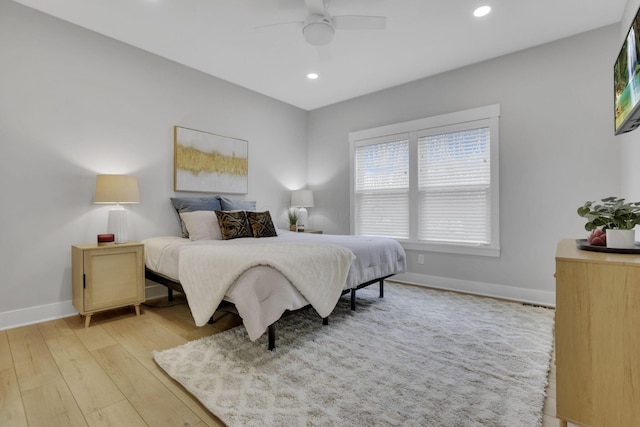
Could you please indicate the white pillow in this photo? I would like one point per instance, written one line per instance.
(202, 225)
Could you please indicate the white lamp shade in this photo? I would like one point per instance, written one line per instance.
(116, 189)
(302, 198)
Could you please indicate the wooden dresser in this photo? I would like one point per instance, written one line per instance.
(597, 337)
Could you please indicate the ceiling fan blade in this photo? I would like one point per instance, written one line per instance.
(316, 7)
(359, 22)
(279, 24)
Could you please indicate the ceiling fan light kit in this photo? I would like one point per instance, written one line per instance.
(318, 32)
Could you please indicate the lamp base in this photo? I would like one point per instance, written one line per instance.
(117, 224)
(302, 218)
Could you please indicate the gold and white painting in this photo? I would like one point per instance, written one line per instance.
(209, 163)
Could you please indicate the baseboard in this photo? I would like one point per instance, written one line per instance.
(530, 296)
(31, 315)
(154, 291)
(43, 313)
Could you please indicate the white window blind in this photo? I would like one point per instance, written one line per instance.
(454, 183)
(382, 189)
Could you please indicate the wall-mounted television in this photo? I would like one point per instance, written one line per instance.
(626, 81)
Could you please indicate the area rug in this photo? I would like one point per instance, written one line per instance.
(417, 357)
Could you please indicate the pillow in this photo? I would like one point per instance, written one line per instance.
(201, 225)
(234, 205)
(261, 224)
(192, 204)
(233, 224)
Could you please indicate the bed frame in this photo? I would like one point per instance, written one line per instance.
(173, 285)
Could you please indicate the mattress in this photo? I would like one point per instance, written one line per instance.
(375, 256)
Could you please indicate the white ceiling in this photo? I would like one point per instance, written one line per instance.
(422, 38)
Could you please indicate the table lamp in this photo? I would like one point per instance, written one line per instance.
(118, 189)
(302, 199)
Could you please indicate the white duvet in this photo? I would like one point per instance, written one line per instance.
(318, 272)
(262, 294)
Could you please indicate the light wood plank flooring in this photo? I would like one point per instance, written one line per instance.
(58, 373)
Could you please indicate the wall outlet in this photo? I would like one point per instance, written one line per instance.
(421, 259)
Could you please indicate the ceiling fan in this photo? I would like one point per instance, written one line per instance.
(319, 26)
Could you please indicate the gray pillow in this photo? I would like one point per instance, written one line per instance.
(237, 205)
(192, 204)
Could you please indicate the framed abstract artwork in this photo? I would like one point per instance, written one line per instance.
(209, 163)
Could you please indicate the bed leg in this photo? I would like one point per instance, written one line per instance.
(170, 294)
(353, 299)
(272, 336)
(381, 288)
(325, 321)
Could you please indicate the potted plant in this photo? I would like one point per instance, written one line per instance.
(293, 220)
(612, 216)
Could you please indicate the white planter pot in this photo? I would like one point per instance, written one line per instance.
(621, 239)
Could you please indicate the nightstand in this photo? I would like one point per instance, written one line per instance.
(107, 277)
(311, 231)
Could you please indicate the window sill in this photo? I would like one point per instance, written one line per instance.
(489, 251)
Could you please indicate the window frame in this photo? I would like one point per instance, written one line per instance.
(487, 116)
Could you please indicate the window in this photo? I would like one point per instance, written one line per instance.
(430, 183)
(382, 188)
(454, 184)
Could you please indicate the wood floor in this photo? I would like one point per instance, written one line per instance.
(58, 373)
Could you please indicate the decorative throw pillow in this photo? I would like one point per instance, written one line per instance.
(202, 225)
(233, 224)
(192, 204)
(234, 205)
(261, 224)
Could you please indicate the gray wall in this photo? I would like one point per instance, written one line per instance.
(74, 104)
(557, 150)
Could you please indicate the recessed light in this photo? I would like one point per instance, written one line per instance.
(482, 11)
(312, 76)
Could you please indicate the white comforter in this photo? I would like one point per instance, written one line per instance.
(261, 294)
(318, 271)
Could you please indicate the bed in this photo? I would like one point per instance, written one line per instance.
(267, 276)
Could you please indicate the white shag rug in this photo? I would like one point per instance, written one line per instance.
(417, 357)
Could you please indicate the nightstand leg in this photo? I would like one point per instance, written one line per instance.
(563, 423)
(137, 309)
(87, 320)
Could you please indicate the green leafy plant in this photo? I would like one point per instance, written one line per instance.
(612, 214)
(293, 217)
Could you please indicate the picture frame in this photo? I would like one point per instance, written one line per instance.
(209, 163)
